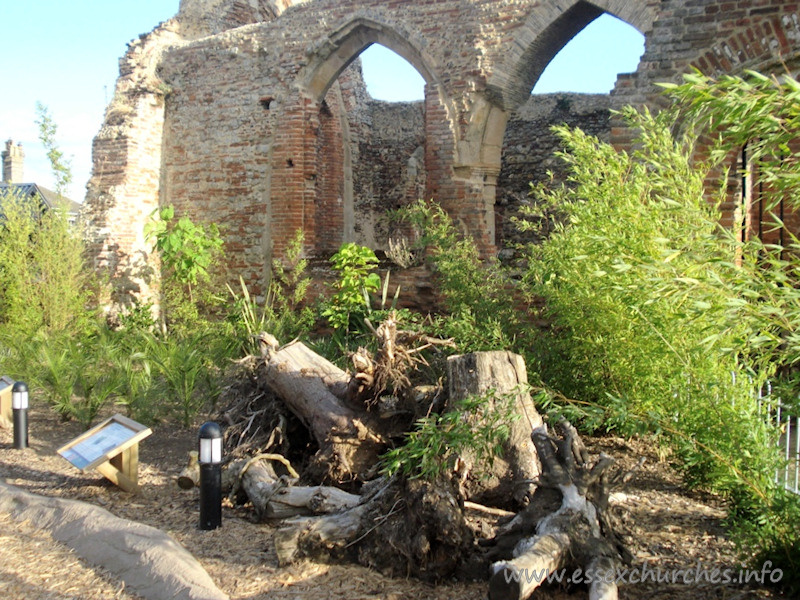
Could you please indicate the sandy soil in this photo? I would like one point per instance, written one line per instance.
(669, 528)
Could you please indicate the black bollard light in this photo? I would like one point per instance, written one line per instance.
(19, 406)
(210, 476)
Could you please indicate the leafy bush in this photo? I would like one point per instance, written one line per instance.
(350, 301)
(477, 424)
(44, 282)
(58, 359)
(284, 313)
(761, 114)
(180, 365)
(78, 376)
(653, 306)
(98, 377)
(45, 312)
(632, 232)
(190, 254)
(138, 390)
(285, 305)
(478, 297)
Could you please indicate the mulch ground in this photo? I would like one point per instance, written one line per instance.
(669, 528)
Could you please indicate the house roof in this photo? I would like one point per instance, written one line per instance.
(50, 198)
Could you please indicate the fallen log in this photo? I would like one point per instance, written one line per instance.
(297, 354)
(401, 527)
(503, 375)
(190, 475)
(329, 535)
(582, 532)
(276, 496)
(314, 390)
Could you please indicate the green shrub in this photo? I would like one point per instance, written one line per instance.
(138, 392)
(190, 256)
(632, 231)
(77, 376)
(761, 114)
(479, 298)
(651, 313)
(180, 365)
(350, 301)
(59, 359)
(44, 281)
(284, 313)
(477, 424)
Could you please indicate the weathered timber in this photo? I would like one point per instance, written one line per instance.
(190, 475)
(313, 389)
(328, 534)
(581, 532)
(297, 355)
(276, 496)
(511, 475)
(404, 527)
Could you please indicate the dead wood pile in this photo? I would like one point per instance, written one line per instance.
(304, 440)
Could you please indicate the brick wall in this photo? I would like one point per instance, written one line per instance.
(528, 151)
(391, 171)
(246, 114)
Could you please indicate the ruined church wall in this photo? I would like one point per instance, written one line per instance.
(391, 171)
(123, 190)
(241, 128)
(718, 38)
(289, 51)
(219, 130)
(126, 186)
(529, 149)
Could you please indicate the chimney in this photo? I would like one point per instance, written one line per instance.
(13, 157)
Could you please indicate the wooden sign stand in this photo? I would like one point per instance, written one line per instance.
(112, 449)
(6, 384)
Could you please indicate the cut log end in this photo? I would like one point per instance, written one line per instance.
(189, 477)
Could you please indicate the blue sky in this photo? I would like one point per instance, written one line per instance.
(65, 55)
(588, 64)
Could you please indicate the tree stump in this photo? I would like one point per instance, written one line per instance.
(503, 374)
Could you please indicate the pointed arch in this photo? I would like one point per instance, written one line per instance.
(344, 45)
(546, 31)
(330, 57)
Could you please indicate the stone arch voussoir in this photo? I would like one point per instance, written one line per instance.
(345, 42)
(548, 28)
(328, 58)
(769, 45)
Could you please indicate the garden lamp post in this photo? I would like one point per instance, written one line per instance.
(19, 406)
(210, 459)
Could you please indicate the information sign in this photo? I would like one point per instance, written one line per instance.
(112, 448)
(6, 384)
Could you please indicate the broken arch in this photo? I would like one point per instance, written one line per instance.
(411, 153)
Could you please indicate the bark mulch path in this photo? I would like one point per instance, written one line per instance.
(670, 528)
